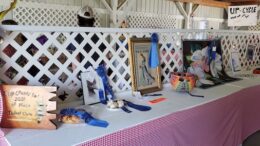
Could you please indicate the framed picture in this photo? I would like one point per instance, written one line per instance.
(251, 51)
(90, 85)
(203, 58)
(144, 78)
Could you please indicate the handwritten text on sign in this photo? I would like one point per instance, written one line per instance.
(242, 15)
(25, 106)
(28, 106)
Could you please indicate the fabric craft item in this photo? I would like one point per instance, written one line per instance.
(182, 82)
(153, 54)
(71, 115)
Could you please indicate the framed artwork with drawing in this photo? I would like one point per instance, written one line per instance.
(90, 85)
(144, 78)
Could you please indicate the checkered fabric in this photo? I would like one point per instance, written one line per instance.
(3, 141)
(227, 121)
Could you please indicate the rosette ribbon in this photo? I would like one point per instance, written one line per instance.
(153, 54)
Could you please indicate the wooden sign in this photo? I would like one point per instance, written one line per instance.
(28, 107)
(242, 15)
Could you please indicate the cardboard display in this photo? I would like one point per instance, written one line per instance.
(28, 107)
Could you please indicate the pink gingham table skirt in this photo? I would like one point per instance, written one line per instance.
(2, 138)
(223, 122)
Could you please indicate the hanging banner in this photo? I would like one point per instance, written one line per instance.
(242, 15)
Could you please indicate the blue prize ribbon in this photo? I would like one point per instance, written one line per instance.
(212, 53)
(137, 107)
(126, 109)
(153, 54)
(84, 116)
(102, 97)
(101, 71)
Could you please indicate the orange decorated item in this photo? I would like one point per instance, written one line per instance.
(182, 82)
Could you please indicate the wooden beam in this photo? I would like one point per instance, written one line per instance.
(194, 8)
(242, 2)
(121, 5)
(238, 1)
(181, 9)
(106, 5)
(245, 3)
(211, 3)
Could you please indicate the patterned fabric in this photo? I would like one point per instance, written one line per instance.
(224, 122)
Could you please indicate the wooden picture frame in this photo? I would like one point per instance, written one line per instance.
(144, 78)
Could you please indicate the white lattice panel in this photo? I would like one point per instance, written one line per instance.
(41, 14)
(151, 20)
(56, 56)
(255, 28)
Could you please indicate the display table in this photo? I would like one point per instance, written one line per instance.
(226, 116)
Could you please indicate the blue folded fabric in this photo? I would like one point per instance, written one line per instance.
(84, 116)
